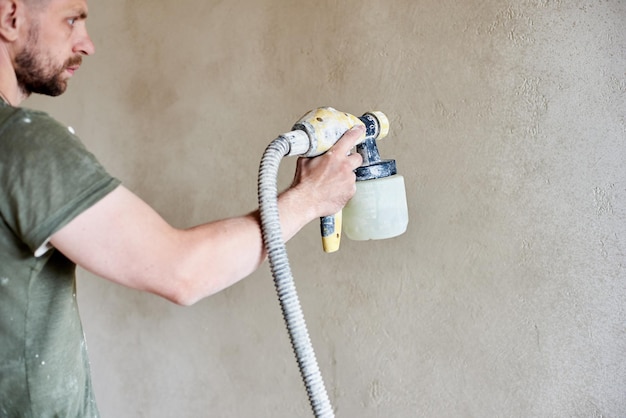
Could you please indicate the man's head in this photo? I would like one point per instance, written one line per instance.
(50, 42)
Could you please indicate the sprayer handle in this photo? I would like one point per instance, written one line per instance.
(331, 232)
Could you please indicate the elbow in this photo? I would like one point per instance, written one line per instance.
(173, 280)
(187, 289)
(181, 300)
(181, 295)
(185, 281)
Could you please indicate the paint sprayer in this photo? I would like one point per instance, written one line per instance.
(378, 210)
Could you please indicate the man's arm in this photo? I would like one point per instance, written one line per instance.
(122, 239)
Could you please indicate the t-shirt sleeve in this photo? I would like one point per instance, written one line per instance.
(47, 177)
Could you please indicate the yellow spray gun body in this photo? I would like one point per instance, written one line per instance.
(315, 133)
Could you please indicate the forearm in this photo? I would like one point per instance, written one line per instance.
(223, 252)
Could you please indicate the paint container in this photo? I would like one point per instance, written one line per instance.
(378, 210)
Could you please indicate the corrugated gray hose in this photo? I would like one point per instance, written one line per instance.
(283, 278)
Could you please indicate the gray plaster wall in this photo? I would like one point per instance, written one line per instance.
(506, 296)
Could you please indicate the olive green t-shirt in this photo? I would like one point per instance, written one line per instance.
(47, 178)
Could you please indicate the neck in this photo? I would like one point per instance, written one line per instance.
(12, 96)
(4, 98)
(10, 90)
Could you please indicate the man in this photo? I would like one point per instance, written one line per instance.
(59, 208)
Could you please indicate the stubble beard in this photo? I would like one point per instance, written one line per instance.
(36, 73)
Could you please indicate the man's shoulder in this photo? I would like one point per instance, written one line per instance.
(25, 117)
(22, 127)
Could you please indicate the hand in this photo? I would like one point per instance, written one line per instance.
(328, 181)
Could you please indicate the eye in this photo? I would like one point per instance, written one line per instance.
(72, 21)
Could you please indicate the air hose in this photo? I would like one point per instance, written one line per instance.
(283, 278)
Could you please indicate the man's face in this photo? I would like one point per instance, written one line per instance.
(57, 40)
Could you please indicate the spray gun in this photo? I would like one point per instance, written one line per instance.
(378, 210)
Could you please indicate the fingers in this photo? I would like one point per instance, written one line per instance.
(355, 160)
(342, 147)
(349, 139)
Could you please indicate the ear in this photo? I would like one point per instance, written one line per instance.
(10, 19)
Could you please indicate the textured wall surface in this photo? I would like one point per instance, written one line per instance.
(507, 294)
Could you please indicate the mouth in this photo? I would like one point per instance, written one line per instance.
(73, 64)
(72, 69)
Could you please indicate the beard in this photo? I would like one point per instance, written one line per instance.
(36, 73)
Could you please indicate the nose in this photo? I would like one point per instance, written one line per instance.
(84, 44)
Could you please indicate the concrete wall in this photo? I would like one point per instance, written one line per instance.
(507, 294)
